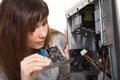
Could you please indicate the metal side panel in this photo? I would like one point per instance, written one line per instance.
(77, 7)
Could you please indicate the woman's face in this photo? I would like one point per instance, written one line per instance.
(37, 38)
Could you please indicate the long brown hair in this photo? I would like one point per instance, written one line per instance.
(17, 17)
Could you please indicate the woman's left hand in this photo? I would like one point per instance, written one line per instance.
(66, 50)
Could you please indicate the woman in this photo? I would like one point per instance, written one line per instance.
(59, 39)
(23, 30)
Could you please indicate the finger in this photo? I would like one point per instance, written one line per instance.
(29, 61)
(39, 64)
(66, 52)
(34, 74)
(35, 58)
(66, 32)
(36, 55)
(28, 71)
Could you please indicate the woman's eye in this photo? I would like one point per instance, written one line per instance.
(31, 29)
(44, 23)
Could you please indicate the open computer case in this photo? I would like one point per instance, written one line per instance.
(94, 39)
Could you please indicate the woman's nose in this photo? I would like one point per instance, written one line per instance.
(42, 33)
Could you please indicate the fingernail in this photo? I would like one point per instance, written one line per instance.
(48, 63)
(48, 60)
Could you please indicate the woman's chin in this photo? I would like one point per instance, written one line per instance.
(38, 47)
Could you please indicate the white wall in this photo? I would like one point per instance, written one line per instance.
(58, 8)
(118, 1)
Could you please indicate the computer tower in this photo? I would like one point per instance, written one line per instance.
(90, 25)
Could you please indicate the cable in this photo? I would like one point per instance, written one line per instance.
(90, 61)
(106, 64)
(84, 53)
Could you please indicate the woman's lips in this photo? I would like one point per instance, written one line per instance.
(40, 43)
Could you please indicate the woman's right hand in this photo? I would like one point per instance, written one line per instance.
(31, 65)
